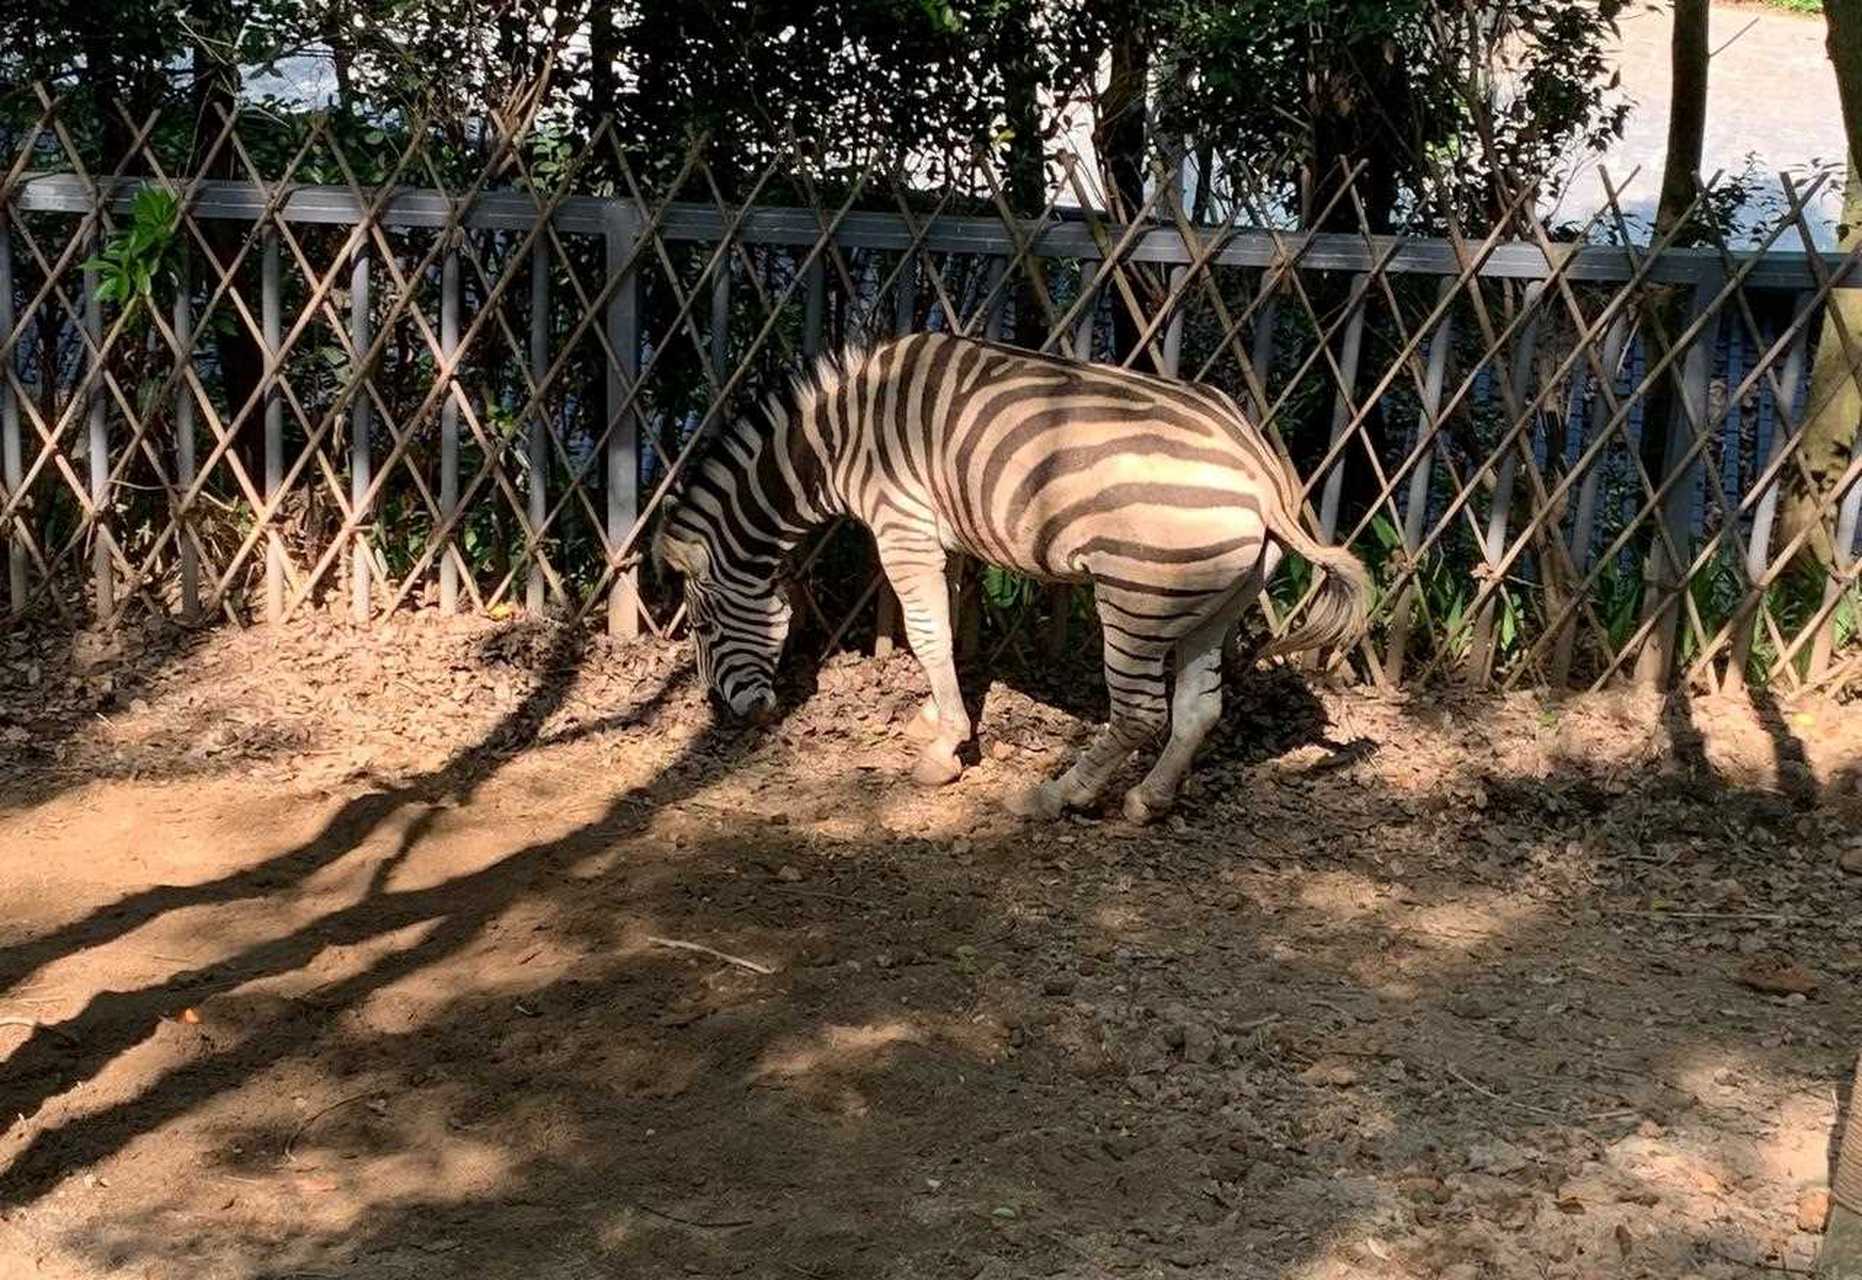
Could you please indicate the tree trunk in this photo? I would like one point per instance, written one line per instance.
(1835, 401)
(108, 82)
(1687, 118)
(1027, 185)
(1345, 137)
(1119, 138)
(241, 361)
(1687, 112)
(1841, 1254)
(603, 52)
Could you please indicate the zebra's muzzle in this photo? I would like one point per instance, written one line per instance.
(751, 705)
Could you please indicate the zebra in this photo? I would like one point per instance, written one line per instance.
(1161, 494)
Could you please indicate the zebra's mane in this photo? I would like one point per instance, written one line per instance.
(826, 375)
(795, 399)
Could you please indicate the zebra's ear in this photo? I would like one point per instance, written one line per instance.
(689, 558)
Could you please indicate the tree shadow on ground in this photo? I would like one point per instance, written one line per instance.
(1066, 1050)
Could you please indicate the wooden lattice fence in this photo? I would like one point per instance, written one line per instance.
(241, 396)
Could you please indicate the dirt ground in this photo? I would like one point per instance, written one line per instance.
(326, 954)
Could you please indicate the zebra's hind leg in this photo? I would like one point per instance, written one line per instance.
(1134, 666)
(1195, 706)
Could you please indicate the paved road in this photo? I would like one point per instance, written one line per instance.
(1771, 100)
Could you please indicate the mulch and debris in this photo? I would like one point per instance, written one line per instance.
(467, 948)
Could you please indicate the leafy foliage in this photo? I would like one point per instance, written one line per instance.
(1445, 103)
(143, 252)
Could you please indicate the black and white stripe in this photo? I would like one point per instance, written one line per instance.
(1161, 494)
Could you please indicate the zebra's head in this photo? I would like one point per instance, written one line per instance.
(738, 623)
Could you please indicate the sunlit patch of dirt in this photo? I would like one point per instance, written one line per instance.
(459, 949)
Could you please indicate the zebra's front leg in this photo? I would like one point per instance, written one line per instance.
(922, 727)
(924, 598)
(1135, 678)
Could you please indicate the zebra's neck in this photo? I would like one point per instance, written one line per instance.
(761, 491)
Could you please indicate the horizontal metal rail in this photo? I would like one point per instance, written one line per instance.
(944, 233)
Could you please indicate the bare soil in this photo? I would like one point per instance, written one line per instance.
(339, 954)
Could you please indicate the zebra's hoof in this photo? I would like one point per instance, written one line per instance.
(1140, 809)
(935, 768)
(1042, 800)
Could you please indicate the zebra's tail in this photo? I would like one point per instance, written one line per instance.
(1339, 612)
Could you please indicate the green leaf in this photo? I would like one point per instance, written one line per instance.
(943, 18)
(1386, 533)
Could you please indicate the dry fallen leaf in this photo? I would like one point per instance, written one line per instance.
(190, 1015)
(1337, 1074)
(1778, 977)
(1813, 1209)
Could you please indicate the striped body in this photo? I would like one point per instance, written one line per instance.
(1160, 494)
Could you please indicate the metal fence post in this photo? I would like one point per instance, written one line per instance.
(1416, 502)
(623, 324)
(1083, 327)
(966, 583)
(449, 428)
(538, 441)
(1584, 522)
(1662, 587)
(1765, 511)
(271, 312)
(904, 316)
(12, 457)
(814, 307)
(1060, 594)
(1173, 328)
(1342, 404)
(103, 584)
(1261, 349)
(721, 318)
(186, 466)
(360, 463)
(998, 306)
(905, 298)
(1499, 512)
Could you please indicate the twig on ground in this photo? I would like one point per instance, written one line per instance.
(1349, 1017)
(700, 947)
(725, 1225)
(1772, 1268)
(822, 893)
(1485, 1092)
(1653, 913)
(34, 1024)
(316, 1116)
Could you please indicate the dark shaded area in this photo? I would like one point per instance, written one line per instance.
(1134, 1049)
